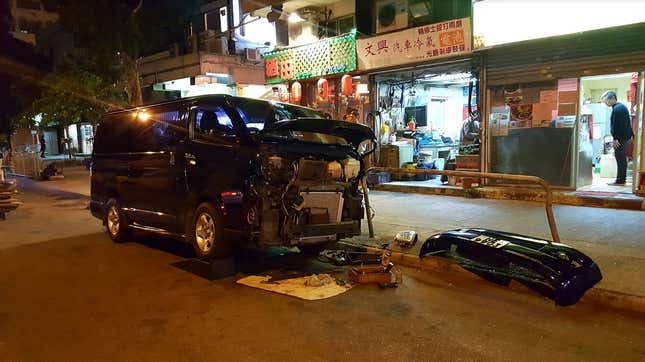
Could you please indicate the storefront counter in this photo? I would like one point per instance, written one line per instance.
(542, 152)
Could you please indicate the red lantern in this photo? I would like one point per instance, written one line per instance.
(346, 85)
(296, 92)
(323, 88)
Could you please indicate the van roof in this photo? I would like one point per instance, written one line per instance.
(194, 98)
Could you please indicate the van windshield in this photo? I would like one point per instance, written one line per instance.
(256, 114)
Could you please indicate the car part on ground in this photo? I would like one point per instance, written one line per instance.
(406, 239)
(348, 257)
(384, 274)
(7, 201)
(554, 270)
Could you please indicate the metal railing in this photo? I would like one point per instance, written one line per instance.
(548, 197)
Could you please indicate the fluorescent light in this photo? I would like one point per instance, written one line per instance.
(533, 19)
(448, 77)
(295, 18)
(221, 75)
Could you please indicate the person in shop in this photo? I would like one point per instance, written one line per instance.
(470, 129)
(351, 115)
(43, 145)
(621, 131)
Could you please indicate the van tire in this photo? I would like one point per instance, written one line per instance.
(206, 233)
(116, 223)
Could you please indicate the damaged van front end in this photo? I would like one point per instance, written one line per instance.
(305, 190)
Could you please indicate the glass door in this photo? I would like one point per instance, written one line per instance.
(638, 137)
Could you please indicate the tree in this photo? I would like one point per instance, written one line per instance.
(18, 62)
(108, 33)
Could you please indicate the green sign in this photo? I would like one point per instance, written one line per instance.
(328, 56)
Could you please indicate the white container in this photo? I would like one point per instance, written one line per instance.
(607, 166)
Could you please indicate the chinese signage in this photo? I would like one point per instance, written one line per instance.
(328, 56)
(428, 42)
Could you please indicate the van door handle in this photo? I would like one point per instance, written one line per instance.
(190, 159)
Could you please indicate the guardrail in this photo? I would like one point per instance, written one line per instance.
(548, 198)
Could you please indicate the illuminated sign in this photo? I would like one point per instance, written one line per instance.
(424, 43)
(499, 22)
(328, 56)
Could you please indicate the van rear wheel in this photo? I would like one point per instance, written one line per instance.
(116, 223)
(206, 233)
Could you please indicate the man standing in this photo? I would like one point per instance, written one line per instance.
(43, 145)
(621, 131)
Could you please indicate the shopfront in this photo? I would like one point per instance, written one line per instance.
(544, 114)
(321, 76)
(426, 96)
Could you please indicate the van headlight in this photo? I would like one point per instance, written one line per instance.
(334, 170)
(352, 167)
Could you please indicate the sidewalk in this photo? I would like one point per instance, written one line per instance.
(615, 239)
(588, 199)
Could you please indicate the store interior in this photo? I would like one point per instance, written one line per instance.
(595, 131)
(422, 114)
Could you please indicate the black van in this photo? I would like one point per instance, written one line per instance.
(202, 168)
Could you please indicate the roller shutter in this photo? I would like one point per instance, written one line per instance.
(605, 51)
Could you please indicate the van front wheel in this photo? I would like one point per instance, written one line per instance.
(206, 233)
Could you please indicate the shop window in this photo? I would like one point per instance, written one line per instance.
(339, 26)
(532, 130)
(596, 94)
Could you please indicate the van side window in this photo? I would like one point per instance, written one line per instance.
(213, 121)
(166, 125)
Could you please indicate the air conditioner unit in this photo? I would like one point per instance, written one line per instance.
(391, 15)
(253, 55)
(214, 44)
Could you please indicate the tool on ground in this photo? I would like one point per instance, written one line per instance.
(383, 274)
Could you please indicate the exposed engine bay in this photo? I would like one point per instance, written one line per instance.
(304, 199)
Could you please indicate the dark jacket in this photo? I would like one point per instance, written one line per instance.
(621, 126)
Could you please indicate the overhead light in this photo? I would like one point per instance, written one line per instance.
(448, 77)
(295, 18)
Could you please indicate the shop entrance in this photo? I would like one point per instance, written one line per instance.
(423, 113)
(596, 161)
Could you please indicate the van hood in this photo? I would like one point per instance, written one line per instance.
(353, 133)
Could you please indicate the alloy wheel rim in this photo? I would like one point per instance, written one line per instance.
(205, 232)
(113, 222)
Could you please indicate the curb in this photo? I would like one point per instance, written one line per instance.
(40, 190)
(598, 296)
(498, 193)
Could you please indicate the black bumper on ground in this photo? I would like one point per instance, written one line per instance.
(555, 270)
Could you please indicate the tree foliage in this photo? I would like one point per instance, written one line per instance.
(101, 74)
(16, 91)
(76, 94)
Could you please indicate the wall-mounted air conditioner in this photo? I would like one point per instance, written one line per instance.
(253, 55)
(391, 15)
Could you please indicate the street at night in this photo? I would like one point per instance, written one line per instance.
(322, 180)
(69, 293)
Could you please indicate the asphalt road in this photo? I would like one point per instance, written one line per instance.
(72, 294)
